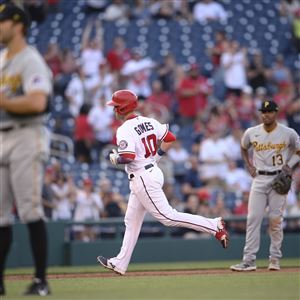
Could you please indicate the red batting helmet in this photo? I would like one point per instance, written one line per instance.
(124, 101)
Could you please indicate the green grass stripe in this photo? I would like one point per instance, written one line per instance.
(154, 266)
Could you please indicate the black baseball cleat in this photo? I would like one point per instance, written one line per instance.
(2, 290)
(37, 287)
(108, 265)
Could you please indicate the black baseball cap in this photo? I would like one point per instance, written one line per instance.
(10, 11)
(268, 106)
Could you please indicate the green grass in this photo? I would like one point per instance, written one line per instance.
(233, 286)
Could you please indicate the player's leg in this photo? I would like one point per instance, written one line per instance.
(256, 211)
(276, 209)
(27, 169)
(134, 217)
(148, 188)
(254, 220)
(6, 219)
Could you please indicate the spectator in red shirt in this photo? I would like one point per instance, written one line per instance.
(192, 93)
(53, 58)
(83, 136)
(216, 51)
(118, 55)
(158, 96)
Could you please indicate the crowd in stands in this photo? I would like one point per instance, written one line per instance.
(208, 111)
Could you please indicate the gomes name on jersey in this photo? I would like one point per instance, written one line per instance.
(143, 127)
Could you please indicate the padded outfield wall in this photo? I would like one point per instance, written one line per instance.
(150, 249)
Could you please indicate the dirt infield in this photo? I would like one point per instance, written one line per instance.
(153, 273)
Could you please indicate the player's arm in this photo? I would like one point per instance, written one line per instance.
(33, 102)
(167, 141)
(166, 144)
(121, 158)
(294, 160)
(248, 163)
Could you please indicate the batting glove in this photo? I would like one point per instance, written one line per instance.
(114, 157)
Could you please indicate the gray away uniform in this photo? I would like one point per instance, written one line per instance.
(24, 140)
(271, 150)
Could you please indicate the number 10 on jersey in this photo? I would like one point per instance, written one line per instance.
(150, 145)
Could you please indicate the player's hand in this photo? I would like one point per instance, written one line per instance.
(114, 157)
(252, 170)
(287, 170)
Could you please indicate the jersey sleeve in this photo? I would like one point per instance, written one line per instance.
(36, 76)
(125, 141)
(295, 140)
(161, 129)
(245, 141)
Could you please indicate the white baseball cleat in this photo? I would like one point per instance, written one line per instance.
(274, 264)
(108, 265)
(244, 266)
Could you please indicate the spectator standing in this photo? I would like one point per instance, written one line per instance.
(192, 95)
(118, 55)
(137, 72)
(75, 92)
(215, 52)
(212, 157)
(118, 10)
(257, 72)
(91, 50)
(83, 136)
(53, 58)
(234, 62)
(63, 189)
(88, 207)
(166, 73)
(100, 118)
(208, 11)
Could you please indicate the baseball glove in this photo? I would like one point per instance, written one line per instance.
(282, 182)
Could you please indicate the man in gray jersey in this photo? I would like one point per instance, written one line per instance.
(25, 85)
(274, 146)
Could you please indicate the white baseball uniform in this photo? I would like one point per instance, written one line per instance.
(271, 151)
(140, 136)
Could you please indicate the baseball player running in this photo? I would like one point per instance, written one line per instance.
(25, 85)
(276, 148)
(137, 140)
